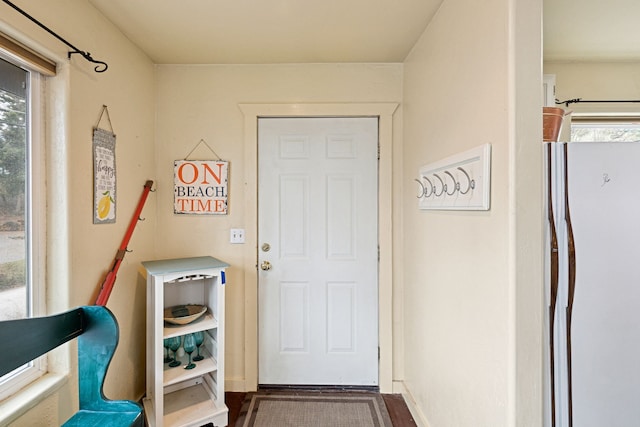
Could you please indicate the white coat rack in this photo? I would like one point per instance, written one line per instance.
(459, 182)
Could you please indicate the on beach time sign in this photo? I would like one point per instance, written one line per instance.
(200, 187)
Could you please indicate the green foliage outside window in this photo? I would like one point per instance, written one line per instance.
(12, 154)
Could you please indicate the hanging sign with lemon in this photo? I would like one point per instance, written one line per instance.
(104, 174)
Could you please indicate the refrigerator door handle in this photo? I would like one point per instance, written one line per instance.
(553, 280)
(571, 284)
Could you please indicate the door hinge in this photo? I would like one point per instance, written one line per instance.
(378, 353)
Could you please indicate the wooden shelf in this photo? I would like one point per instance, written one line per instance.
(208, 321)
(192, 406)
(178, 374)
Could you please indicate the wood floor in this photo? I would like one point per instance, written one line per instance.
(397, 408)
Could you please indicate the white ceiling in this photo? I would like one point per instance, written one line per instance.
(276, 31)
(297, 31)
(592, 30)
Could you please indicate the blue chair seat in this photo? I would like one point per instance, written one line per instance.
(85, 418)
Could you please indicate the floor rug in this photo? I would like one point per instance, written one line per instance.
(313, 409)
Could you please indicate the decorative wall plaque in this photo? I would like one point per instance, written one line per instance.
(200, 187)
(104, 174)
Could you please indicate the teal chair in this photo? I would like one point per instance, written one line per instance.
(98, 334)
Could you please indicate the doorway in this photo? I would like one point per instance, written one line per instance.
(386, 303)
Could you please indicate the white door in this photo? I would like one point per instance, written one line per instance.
(318, 251)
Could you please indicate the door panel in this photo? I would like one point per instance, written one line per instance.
(317, 211)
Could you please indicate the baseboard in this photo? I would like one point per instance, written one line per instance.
(320, 388)
(401, 388)
(236, 385)
(240, 385)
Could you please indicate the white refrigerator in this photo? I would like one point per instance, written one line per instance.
(592, 284)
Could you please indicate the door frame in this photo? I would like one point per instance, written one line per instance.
(384, 112)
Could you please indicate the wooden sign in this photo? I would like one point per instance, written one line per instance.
(104, 176)
(200, 187)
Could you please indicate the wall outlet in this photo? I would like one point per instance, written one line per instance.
(236, 235)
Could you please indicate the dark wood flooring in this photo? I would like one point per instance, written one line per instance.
(396, 406)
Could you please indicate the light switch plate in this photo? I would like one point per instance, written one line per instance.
(236, 235)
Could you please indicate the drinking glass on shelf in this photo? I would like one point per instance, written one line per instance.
(165, 343)
(174, 345)
(199, 336)
(189, 346)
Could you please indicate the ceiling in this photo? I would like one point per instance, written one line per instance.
(277, 31)
(312, 31)
(592, 30)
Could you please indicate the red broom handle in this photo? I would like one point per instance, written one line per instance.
(110, 279)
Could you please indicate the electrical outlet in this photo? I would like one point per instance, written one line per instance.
(236, 235)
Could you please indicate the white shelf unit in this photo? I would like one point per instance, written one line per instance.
(176, 396)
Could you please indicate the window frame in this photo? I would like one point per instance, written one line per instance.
(610, 120)
(35, 215)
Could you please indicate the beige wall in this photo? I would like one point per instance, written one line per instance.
(472, 280)
(203, 102)
(597, 81)
(80, 253)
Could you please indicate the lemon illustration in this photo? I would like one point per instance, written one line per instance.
(104, 205)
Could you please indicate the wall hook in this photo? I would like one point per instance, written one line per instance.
(444, 186)
(471, 182)
(431, 187)
(422, 189)
(455, 186)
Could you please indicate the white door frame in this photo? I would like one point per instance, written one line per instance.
(384, 111)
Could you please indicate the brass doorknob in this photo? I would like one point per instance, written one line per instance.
(266, 265)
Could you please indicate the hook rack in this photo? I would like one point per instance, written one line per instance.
(100, 68)
(459, 182)
(431, 190)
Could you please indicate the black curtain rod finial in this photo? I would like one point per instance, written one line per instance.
(568, 101)
(100, 68)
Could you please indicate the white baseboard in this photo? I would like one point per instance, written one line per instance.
(232, 384)
(401, 388)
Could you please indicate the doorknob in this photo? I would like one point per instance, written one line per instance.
(266, 265)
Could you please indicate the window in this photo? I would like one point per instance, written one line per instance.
(21, 207)
(605, 128)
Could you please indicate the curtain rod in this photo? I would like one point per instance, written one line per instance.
(86, 55)
(577, 100)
